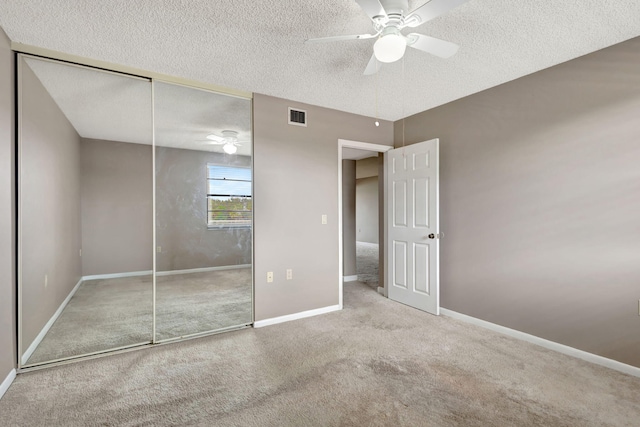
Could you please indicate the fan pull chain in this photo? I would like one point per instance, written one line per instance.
(377, 122)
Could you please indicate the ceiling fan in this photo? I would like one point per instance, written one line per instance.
(388, 22)
(228, 140)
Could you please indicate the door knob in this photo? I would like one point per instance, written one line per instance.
(431, 236)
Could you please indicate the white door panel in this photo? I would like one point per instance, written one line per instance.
(412, 225)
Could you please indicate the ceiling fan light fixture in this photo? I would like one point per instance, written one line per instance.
(390, 46)
(229, 148)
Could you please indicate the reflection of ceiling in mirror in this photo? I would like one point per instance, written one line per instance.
(98, 104)
(115, 107)
(184, 117)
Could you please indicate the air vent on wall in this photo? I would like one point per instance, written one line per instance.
(297, 117)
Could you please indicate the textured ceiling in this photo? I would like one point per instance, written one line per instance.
(258, 46)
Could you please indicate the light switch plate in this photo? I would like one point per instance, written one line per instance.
(324, 219)
(270, 277)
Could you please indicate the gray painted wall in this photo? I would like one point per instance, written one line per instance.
(295, 183)
(181, 214)
(367, 209)
(540, 202)
(50, 193)
(7, 208)
(368, 184)
(117, 209)
(349, 218)
(366, 168)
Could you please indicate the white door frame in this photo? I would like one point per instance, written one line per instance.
(345, 143)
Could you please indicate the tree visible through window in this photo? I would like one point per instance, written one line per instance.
(228, 196)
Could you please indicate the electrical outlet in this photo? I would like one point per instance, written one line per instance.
(159, 249)
(289, 274)
(46, 280)
(324, 219)
(269, 276)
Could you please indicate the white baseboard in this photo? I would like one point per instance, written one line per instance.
(296, 316)
(163, 273)
(200, 270)
(117, 275)
(7, 382)
(36, 342)
(551, 345)
(350, 278)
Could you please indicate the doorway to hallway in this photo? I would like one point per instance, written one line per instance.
(368, 203)
(361, 170)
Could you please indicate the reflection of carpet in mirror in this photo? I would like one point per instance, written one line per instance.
(212, 300)
(111, 313)
(367, 263)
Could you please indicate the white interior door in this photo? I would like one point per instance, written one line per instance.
(412, 225)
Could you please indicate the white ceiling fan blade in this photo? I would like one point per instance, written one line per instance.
(372, 8)
(432, 45)
(431, 10)
(339, 38)
(372, 67)
(210, 142)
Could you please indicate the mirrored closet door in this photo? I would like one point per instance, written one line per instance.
(85, 210)
(203, 211)
(134, 211)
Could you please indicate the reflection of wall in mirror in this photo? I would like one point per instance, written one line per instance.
(50, 211)
(183, 237)
(117, 209)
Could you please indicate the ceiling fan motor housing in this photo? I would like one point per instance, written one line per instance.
(393, 7)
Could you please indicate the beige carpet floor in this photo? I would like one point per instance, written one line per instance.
(367, 263)
(375, 363)
(112, 313)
